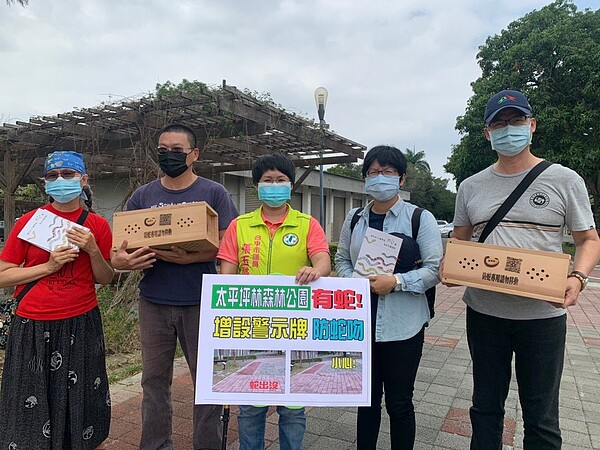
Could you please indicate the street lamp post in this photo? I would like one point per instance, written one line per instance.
(321, 101)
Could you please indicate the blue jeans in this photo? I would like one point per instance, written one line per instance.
(251, 425)
(539, 348)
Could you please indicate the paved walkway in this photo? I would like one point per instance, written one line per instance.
(442, 392)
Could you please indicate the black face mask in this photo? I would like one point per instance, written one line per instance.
(173, 164)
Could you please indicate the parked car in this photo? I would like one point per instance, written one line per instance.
(442, 224)
(446, 230)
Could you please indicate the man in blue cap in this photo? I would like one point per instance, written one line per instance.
(500, 325)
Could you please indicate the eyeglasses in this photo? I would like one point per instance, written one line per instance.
(278, 181)
(64, 174)
(162, 150)
(514, 121)
(386, 172)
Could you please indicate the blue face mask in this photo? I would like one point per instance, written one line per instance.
(274, 194)
(382, 187)
(63, 191)
(511, 139)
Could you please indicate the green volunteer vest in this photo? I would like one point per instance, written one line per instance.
(285, 253)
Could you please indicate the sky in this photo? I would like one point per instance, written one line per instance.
(398, 72)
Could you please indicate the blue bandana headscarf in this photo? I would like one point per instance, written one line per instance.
(64, 160)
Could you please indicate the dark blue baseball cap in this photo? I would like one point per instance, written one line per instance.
(506, 99)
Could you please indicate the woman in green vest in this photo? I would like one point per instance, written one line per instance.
(275, 238)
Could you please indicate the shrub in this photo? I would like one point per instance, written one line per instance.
(120, 323)
(332, 252)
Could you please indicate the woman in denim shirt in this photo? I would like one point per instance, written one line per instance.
(399, 311)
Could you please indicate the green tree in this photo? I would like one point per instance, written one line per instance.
(192, 88)
(417, 159)
(348, 170)
(552, 55)
(430, 192)
(27, 197)
(196, 88)
(31, 193)
(427, 191)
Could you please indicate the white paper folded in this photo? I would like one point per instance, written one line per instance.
(378, 254)
(48, 231)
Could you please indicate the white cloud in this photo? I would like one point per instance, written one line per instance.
(398, 72)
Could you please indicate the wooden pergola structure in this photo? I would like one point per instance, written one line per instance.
(233, 129)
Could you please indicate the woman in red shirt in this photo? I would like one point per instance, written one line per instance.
(55, 392)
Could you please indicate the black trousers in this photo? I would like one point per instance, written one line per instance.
(394, 370)
(539, 348)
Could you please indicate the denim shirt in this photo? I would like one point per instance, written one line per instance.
(400, 315)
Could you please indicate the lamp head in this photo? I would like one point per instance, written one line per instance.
(321, 101)
(321, 97)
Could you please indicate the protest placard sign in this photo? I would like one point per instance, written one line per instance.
(265, 340)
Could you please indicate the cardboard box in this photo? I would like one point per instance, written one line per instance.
(517, 271)
(191, 226)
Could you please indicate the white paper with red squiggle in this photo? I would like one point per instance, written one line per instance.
(48, 231)
(377, 255)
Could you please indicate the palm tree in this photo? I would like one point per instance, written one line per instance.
(348, 170)
(417, 160)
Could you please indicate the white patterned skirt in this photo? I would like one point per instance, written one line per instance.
(55, 392)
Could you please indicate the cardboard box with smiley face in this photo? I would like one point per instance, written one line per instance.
(517, 271)
(191, 226)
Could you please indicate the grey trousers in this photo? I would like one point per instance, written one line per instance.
(160, 327)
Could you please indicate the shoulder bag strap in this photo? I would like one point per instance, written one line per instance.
(82, 217)
(415, 221)
(26, 289)
(355, 218)
(512, 198)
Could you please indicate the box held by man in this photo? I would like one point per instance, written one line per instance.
(528, 273)
(191, 226)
